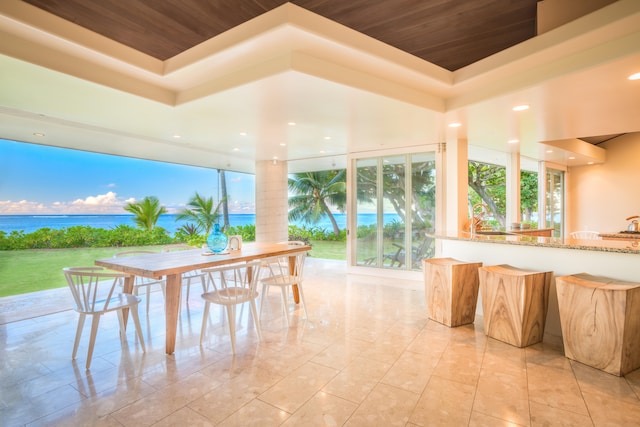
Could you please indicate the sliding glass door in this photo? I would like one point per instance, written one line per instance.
(395, 207)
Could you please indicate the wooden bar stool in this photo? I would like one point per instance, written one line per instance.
(514, 303)
(600, 320)
(451, 290)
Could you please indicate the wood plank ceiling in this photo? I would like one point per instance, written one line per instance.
(448, 33)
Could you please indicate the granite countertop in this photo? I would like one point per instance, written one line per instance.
(620, 246)
(618, 235)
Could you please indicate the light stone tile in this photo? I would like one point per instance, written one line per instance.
(256, 413)
(355, 382)
(184, 417)
(323, 409)
(502, 396)
(385, 406)
(299, 386)
(411, 372)
(460, 363)
(608, 410)
(482, 420)
(340, 354)
(222, 401)
(158, 405)
(543, 416)
(444, 403)
(556, 388)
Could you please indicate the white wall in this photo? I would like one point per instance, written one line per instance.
(600, 197)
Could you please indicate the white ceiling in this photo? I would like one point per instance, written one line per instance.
(346, 93)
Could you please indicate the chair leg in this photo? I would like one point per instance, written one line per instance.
(231, 315)
(205, 317)
(188, 288)
(262, 297)
(148, 298)
(136, 321)
(78, 335)
(284, 303)
(256, 320)
(94, 330)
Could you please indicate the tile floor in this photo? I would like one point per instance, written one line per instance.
(367, 356)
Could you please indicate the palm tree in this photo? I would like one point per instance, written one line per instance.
(147, 211)
(201, 212)
(314, 193)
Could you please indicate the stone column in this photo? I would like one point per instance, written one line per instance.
(272, 222)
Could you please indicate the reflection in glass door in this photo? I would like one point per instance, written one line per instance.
(395, 207)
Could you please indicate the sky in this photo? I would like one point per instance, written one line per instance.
(38, 179)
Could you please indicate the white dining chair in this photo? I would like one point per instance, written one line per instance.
(232, 286)
(93, 290)
(589, 235)
(189, 277)
(144, 282)
(282, 273)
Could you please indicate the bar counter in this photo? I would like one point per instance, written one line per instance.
(630, 246)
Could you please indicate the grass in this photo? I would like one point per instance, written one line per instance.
(33, 270)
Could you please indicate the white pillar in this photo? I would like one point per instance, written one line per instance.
(456, 184)
(272, 209)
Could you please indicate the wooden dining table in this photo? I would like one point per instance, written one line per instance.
(171, 266)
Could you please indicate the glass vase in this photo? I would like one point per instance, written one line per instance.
(217, 240)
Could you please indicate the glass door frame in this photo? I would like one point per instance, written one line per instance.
(352, 160)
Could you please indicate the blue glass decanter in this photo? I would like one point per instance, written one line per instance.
(217, 240)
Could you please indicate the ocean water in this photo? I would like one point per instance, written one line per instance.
(31, 223)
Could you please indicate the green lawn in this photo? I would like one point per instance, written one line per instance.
(38, 269)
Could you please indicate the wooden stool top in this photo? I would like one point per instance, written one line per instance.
(509, 270)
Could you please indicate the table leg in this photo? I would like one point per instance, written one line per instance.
(172, 310)
(292, 270)
(127, 288)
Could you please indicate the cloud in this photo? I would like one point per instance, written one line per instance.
(111, 185)
(108, 203)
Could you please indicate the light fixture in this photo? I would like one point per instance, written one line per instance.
(513, 141)
(455, 125)
(549, 151)
(38, 134)
(176, 136)
(572, 157)
(521, 107)
(634, 76)
(291, 123)
(327, 137)
(243, 134)
(283, 144)
(236, 149)
(589, 163)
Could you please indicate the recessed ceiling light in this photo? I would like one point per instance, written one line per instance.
(283, 144)
(176, 136)
(521, 107)
(38, 134)
(455, 125)
(572, 157)
(635, 76)
(327, 137)
(236, 149)
(549, 151)
(513, 141)
(589, 163)
(243, 134)
(321, 151)
(275, 157)
(291, 123)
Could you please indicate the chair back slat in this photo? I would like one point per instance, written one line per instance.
(92, 287)
(234, 284)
